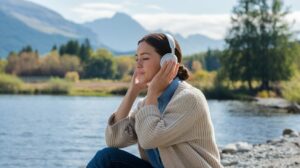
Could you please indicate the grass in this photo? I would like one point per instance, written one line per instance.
(205, 81)
(291, 89)
(10, 83)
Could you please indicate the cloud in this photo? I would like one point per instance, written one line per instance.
(155, 7)
(212, 25)
(294, 18)
(91, 11)
(101, 6)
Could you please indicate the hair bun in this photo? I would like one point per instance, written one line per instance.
(183, 73)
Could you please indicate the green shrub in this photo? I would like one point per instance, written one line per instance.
(10, 83)
(72, 76)
(3, 64)
(291, 89)
(266, 94)
(57, 86)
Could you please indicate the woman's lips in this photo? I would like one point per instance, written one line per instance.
(141, 72)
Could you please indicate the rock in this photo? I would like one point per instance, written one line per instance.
(230, 148)
(279, 103)
(229, 163)
(290, 132)
(274, 102)
(294, 108)
(294, 134)
(276, 141)
(243, 147)
(279, 152)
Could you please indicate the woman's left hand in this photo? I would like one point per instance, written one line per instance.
(161, 80)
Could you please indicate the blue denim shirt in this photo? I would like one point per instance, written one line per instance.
(163, 100)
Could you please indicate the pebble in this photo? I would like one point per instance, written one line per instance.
(279, 152)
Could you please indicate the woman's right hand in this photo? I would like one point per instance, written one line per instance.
(136, 84)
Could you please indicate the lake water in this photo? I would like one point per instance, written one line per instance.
(62, 131)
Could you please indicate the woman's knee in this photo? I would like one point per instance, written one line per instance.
(106, 152)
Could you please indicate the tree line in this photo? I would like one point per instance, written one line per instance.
(69, 57)
(81, 58)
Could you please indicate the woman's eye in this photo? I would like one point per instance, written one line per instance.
(145, 59)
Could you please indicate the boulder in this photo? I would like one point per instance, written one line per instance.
(230, 148)
(243, 147)
(290, 132)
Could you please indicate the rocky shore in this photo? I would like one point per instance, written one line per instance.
(276, 153)
(279, 103)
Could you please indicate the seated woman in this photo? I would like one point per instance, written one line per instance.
(171, 125)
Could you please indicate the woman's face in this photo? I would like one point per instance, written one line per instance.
(147, 62)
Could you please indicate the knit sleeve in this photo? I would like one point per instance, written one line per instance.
(154, 130)
(122, 133)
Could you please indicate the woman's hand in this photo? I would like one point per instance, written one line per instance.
(161, 81)
(136, 84)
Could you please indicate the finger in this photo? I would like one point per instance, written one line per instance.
(174, 71)
(165, 65)
(163, 70)
(170, 69)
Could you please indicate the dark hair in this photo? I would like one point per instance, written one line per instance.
(161, 45)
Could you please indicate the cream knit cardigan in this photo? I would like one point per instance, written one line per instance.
(183, 134)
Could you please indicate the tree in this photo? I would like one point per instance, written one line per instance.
(276, 49)
(239, 58)
(54, 48)
(85, 51)
(72, 47)
(51, 65)
(258, 43)
(70, 63)
(12, 63)
(212, 60)
(28, 63)
(3, 64)
(100, 65)
(28, 48)
(125, 66)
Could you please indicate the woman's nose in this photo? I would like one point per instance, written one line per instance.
(139, 63)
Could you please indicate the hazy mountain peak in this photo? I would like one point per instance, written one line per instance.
(121, 15)
(43, 19)
(120, 32)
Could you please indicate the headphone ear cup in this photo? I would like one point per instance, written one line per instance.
(167, 57)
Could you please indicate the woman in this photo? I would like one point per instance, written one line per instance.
(171, 125)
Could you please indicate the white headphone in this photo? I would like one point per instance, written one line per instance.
(169, 56)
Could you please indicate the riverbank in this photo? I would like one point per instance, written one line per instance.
(279, 103)
(10, 84)
(280, 152)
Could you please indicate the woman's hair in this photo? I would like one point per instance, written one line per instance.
(160, 42)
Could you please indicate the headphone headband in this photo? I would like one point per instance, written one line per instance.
(171, 42)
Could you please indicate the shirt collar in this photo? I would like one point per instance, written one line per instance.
(168, 93)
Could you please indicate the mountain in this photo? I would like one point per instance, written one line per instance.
(120, 33)
(15, 35)
(38, 26)
(26, 23)
(197, 42)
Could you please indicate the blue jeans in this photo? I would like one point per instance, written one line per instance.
(116, 158)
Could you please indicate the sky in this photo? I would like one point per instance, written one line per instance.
(186, 17)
